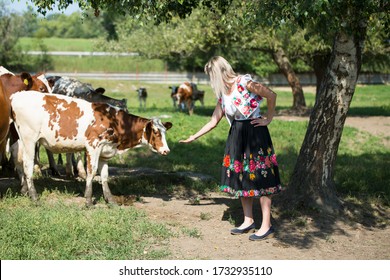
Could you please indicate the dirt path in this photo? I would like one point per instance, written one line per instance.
(203, 232)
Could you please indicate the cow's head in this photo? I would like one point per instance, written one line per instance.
(154, 136)
(142, 92)
(41, 84)
(24, 81)
(100, 90)
(173, 90)
(36, 82)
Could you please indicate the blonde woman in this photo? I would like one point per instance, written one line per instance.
(249, 168)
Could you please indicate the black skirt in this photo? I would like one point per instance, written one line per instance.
(249, 167)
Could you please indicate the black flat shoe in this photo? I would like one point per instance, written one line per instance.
(266, 235)
(237, 231)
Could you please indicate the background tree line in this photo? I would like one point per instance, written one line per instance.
(185, 44)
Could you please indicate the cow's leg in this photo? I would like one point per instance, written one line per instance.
(37, 166)
(103, 170)
(77, 165)
(190, 106)
(59, 160)
(9, 162)
(28, 167)
(69, 166)
(80, 166)
(17, 156)
(52, 163)
(92, 166)
(3, 154)
(174, 102)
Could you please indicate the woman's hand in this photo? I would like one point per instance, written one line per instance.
(261, 121)
(188, 140)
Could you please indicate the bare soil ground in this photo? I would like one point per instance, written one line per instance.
(302, 238)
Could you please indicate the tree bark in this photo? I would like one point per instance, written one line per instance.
(320, 63)
(285, 66)
(312, 183)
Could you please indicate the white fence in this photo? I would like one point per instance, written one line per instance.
(201, 78)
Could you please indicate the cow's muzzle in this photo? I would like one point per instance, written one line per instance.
(163, 152)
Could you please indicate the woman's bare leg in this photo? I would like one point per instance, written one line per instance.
(265, 203)
(247, 204)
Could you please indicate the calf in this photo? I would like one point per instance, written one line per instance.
(64, 124)
(142, 95)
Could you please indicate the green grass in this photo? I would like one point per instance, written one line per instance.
(59, 230)
(106, 64)
(58, 44)
(372, 100)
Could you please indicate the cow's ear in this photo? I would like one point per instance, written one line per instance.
(148, 129)
(27, 80)
(167, 125)
(100, 90)
(51, 80)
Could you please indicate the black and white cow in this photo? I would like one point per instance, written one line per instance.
(142, 95)
(74, 88)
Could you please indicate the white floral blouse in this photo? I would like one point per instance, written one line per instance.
(241, 104)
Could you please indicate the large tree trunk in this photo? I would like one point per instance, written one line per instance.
(285, 66)
(312, 181)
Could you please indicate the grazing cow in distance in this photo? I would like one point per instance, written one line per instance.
(197, 94)
(12, 83)
(64, 124)
(187, 93)
(142, 95)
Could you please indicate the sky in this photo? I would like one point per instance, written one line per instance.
(21, 6)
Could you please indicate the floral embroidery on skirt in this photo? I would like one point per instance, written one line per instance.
(249, 167)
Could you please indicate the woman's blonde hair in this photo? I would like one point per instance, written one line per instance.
(221, 75)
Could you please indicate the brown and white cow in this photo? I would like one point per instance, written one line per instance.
(5, 111)
(187, 93)
(74, 88)
(12, 83)
(64, 124)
